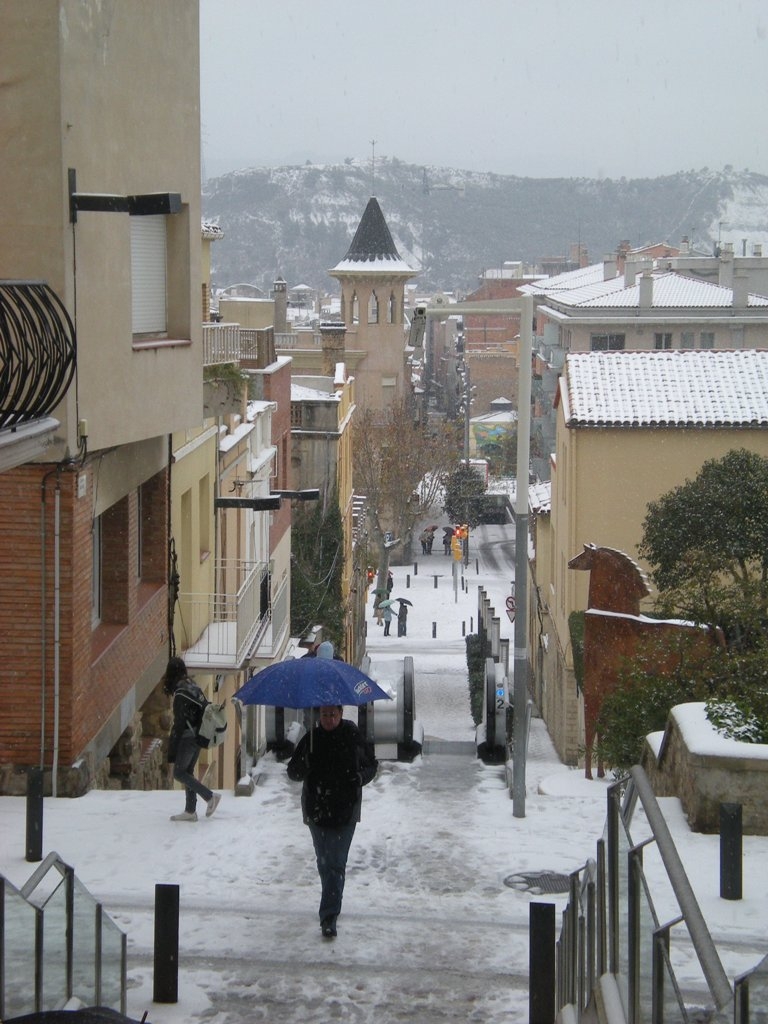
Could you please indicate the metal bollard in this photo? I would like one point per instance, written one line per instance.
(408, 579)
(35, 814)
(166, 986)
(436, 579)
(541, 964)
(730, 851)
(415, 568)
(434, 630)
(464, 628)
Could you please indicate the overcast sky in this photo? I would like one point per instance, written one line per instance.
(545, 88)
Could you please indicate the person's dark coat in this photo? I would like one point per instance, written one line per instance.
(334, 766)
(188, 703)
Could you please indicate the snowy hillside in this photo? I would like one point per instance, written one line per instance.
(450, 224)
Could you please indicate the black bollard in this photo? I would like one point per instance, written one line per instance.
(541, 964)
(435, 579)
(730, 851)
(434, 630)
(166, 988)
(35, 814)
(408, 580)
(464, 628)
(415, 568)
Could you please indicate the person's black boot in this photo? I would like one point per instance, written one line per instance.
(328, 926)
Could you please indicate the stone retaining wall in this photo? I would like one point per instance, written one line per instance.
(703, 778)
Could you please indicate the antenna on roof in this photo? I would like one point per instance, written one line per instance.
(373, 165)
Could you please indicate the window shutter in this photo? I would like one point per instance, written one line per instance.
(148, 275)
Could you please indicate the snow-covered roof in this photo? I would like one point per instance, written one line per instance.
(666, 389)
(300, 392)
(211, 231)
(579, 278)
(372, 248)
(669, 290)
(540, 497)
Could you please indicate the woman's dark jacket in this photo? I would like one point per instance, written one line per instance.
(188, 703)
(334, 766)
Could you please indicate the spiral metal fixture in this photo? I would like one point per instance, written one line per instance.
(37, 351)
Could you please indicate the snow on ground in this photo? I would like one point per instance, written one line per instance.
(429, 929)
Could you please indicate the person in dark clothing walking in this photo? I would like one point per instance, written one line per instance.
(334, 762)
(183, 751)
(402, 619)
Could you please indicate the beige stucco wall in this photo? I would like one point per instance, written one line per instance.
(602, 482)
(380, 375)
(251, 313)
(97, 69)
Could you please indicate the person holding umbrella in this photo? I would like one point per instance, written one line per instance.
(334, 762)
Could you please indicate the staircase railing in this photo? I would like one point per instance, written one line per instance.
(57, 943)
(611, 926)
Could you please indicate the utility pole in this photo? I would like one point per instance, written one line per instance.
(521, 558)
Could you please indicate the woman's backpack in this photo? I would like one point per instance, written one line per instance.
(213, 725)
(208, 721)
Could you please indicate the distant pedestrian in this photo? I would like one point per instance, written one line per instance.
(183, 751)
(390, 582)
(402, 617)
(430, 541)
(387, 611)
(424, 538)
(447, 537)
(334, 762)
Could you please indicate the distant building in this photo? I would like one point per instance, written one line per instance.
(373, 276)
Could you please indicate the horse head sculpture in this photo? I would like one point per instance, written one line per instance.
(615, 633)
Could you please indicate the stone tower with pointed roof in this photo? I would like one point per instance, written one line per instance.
(372, 276)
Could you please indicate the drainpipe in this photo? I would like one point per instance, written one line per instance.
(56, 633)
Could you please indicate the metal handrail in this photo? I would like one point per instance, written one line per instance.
(712, 966)
(590, 943)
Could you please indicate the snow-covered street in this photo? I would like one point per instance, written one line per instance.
(429, 930)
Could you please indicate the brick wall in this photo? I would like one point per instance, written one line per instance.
(98, 667)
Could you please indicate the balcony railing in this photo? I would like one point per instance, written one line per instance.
(37, 351)
(221, 344)
(223, 629)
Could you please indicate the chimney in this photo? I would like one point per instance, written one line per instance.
(333, 336)
(757, 249)
(740, 290)
(630, 273)
(646, 290)
(280, 290)
(725, 266)
(609, 267)
(621, 254)
(685, 245)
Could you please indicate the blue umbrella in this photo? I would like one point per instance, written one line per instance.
(310, 683)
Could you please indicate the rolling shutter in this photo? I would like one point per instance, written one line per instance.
(148, 275)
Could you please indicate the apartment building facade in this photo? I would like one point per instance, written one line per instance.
(101, 201)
